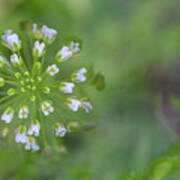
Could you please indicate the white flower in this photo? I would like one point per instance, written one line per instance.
(8, 114)
(47, 108)
(37, 31)
(38, 49)
(74, 47)
(23, 112)
(74, 104)
(64, 54)
(2, 82)
(48, 34)
(15, 59)
(67, 52)
(11, 40)
(67, 87)
(86, 106)
(34, 129)
(2, 61)
(60, 131)
(52, 70)
(21, 135)
(31, 144)
(79, 76)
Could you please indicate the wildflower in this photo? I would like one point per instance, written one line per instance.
(74, 47)
(31, 144)
(47, 108)
(74, 104)
(66, 87)
(48, 34)
(8, 114)
(79, 76)
(15, 59)
(37, 31)
(11, 40)
(38, 49)
(86, 106)
(60, 130)
(52, 70)
(67, 52)
(23, 112)
(2, 82)
(21, 135)
(34, 129)
(64, 54)
(2, 61)
(32, 91)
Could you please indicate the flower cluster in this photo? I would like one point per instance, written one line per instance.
(29, 93)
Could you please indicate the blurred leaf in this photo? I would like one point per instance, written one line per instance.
(175, 101)
(25, 26)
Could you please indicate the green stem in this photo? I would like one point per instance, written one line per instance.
(6, 76)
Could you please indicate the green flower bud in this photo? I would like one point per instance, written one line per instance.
(18, 75)
(11, 92)
(2, 82)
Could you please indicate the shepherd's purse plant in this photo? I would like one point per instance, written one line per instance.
(31, 105)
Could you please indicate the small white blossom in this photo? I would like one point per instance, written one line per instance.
(74, 104)
(37, 31)
(74, 47)
(60, 131)
(21, 135)
(11, 40)
(67, 52)
(15, 59)
(52, 70)
(2, 82)
(2, 61)
(38, 49)
(67, 87)
(47, 108)
(64, 54)
(8, 114)
(48, 34)
(23, 112)
(80, 75)
(34, 129)
(31, 144)
(86, 106)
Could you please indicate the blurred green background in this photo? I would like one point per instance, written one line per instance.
(135, 45)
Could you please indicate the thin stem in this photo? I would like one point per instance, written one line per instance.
(19, 54)
(11, 82)
(58, 96)
(6, 76)
(5, 98)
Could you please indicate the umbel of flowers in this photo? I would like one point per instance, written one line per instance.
(27, 98)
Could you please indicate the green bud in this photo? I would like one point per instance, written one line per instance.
(39, 79)
(29, 86)
(46, 90)
(11, 92)
(2, 62)
(23, 89)
(2, 82)
(26, 73)
(22, 82)
(18, 75)
(72, 126)
(33, 88)
(33, 98)
(37, 66)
